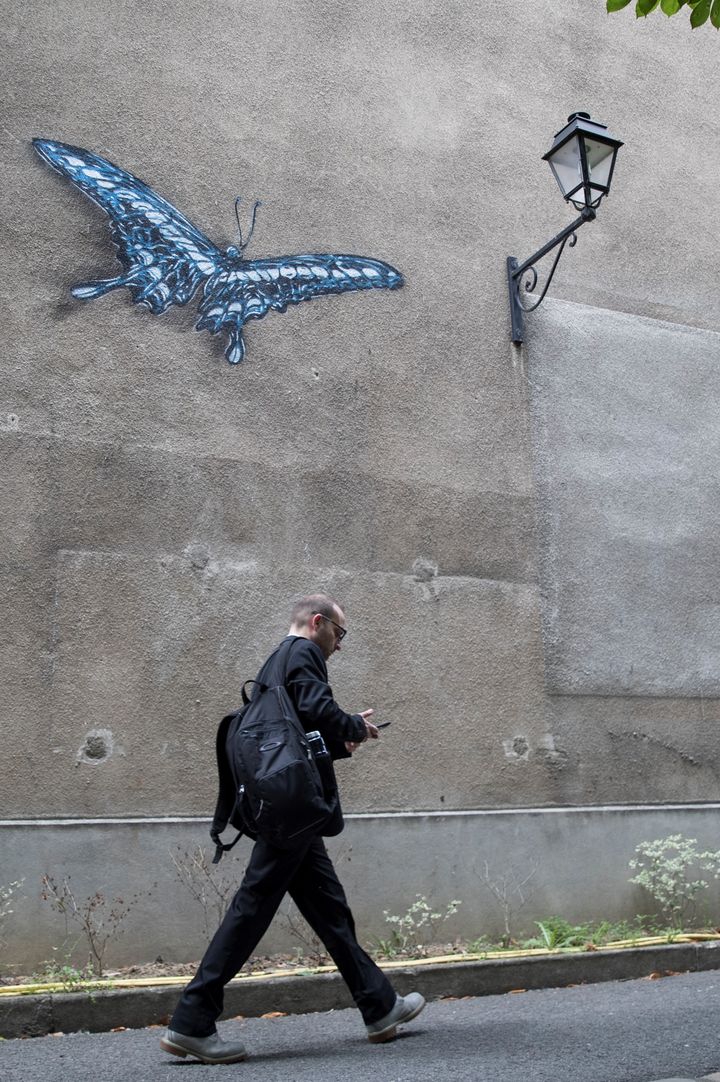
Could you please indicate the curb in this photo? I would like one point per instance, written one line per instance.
(101, 1011)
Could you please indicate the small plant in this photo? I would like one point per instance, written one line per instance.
(663, 869)
(68, 976)
(481, 945)
(557, 934)
(99, 920)
(510, 890)
(411, 932)
(212, 890)
(606, 931)
(6, 895)
(389, 948)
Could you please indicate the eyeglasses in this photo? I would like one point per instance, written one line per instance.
(340, 632)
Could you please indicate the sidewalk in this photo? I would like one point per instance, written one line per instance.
(641, 1030)
(137, 1004)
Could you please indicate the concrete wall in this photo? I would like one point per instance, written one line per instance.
(524, 539)
(626, 444)
(571, 862)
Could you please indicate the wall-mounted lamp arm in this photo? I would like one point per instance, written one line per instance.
(516, 270)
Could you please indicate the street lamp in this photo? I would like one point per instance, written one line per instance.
(582, 159)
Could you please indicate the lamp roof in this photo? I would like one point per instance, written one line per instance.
(581, 124)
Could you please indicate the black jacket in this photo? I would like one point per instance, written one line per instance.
(307, 684)
(300, 665)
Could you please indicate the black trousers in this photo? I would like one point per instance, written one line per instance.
(308, 876)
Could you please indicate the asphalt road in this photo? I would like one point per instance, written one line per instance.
(632, 1031)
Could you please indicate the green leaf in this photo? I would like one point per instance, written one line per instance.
(701, 14)
(670, 7)
(644, 7)
(715, 15)
(616, 5)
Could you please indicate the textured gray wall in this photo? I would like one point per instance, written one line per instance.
(628, 450)
(486, 514)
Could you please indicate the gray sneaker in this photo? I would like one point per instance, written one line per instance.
(207, 1049)
(406, 1008)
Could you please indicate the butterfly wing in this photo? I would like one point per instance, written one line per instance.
(243, 290)
(164, 256)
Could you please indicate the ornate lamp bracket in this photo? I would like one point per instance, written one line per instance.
(516, 271)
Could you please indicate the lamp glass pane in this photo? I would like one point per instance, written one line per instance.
(600, 158)
(566, 164)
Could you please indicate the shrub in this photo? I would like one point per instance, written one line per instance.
(664, 867)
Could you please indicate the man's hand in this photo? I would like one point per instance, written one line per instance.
(370, 729)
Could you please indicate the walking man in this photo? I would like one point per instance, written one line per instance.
(317, 629)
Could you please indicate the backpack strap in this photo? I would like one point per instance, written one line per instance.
(226, 793)
(243, 692)
(220, 847)
(286, 659)
(282, 656)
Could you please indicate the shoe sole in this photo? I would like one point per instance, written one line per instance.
(178, 1050)
(390, 1033)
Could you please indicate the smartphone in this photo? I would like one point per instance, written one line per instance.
(381, 724)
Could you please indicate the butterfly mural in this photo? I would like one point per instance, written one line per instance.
(165, 258)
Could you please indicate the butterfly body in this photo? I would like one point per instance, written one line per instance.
(166, 259)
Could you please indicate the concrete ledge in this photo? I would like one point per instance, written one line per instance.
(38, 1015)
(581, 856)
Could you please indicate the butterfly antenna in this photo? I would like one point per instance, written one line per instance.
(238, 201)
(244, 243)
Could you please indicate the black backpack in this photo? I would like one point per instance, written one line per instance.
(276, 781)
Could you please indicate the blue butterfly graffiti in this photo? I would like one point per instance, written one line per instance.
(166, 258)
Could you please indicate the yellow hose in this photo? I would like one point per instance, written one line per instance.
(50, 987)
